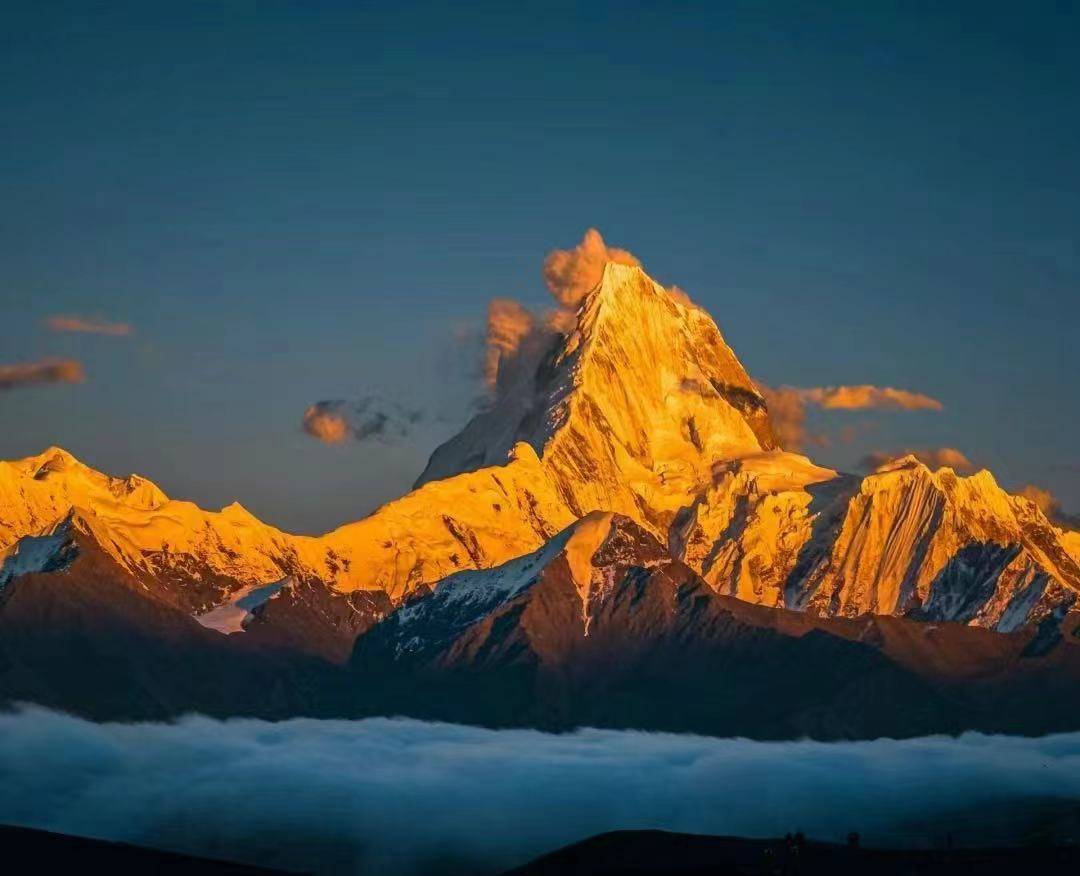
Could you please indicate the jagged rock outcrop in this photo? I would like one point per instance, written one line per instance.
(776, 530)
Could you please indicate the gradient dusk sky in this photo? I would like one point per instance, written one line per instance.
(289, 202)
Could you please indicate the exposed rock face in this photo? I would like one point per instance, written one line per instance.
(777, 530)
(745, 532)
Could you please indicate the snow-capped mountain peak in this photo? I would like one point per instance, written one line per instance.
(629, 410)
(637, 408)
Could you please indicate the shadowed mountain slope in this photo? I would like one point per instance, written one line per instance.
(601, 627)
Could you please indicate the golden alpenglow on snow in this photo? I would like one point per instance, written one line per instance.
(639, 408)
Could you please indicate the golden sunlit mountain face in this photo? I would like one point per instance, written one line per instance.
(631, 403)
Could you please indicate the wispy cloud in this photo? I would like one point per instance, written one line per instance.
(788, 404)
(865, 397)
(1048, 503)
(404, 797)
(335, 421)
(87, 325)
(509, 324)
(787, 411)
(44, 371)
(934, 457)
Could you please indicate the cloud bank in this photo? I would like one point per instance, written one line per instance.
(45, 371)
(335, 421)
(88, 325)
(401, 797)
(933, 457)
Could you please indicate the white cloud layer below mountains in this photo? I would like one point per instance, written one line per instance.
(404, 797)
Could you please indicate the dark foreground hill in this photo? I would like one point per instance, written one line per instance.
(643, 853)
(45, 852)
(619, 853)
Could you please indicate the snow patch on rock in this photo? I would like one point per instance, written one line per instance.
(232, 616)
(37, 553)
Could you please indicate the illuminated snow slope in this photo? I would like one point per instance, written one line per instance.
(643, 410)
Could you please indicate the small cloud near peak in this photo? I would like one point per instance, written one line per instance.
(87, 325)
(322, 421)
(335, 421)
(1049, 504)
(865, 397)
(516, 333)
(787, 411)
(508, 325)
(788, 404)
(43, 371)
(570, 274)
(1045, 500)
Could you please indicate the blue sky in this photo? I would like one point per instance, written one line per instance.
(292, 202)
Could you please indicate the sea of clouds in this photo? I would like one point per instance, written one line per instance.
(403, 797)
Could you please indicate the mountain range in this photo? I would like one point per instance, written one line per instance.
(617, 539)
